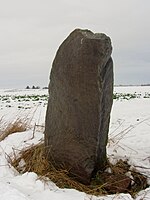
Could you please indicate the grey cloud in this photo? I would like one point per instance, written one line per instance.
(32, 30)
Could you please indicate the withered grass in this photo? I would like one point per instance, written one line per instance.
(18, 125)
(36, 161)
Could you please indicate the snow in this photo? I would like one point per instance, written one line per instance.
(128, 139)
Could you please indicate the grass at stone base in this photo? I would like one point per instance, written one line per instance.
(33, 160)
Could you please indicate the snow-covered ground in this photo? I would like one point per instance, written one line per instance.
(129, 139)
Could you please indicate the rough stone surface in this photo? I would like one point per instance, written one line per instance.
(80, 101)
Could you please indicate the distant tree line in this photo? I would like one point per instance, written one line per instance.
(145, 85)
(35, 87)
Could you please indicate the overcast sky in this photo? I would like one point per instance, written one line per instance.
(32, 30)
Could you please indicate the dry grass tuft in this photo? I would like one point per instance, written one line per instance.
(19, 125)
(33, 159)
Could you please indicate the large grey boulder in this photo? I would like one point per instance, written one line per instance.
(80, 101)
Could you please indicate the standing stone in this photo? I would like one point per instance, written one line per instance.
(80, 101)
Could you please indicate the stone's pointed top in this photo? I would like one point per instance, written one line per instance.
(90, 35)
